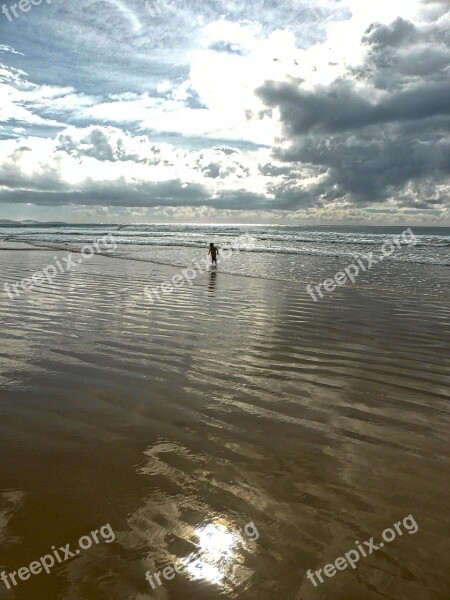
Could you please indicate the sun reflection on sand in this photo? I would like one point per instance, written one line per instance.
(216, 539)
(217, 556)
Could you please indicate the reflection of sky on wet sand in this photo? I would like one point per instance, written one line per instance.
(258, 405)
(181, 526)
(10, 502)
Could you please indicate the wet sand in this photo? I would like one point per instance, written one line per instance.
(235, 401)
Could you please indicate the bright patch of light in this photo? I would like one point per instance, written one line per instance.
(203, 571)
(163, 87)
(215, 558)
(216, 539)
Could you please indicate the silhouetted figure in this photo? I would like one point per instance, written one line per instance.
(214, 252)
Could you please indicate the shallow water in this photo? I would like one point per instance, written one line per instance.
(231, 402)
(307, 255)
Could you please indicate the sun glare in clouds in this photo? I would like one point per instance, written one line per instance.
(382, 11)
(226, 81)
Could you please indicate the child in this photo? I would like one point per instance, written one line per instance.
(214, 252)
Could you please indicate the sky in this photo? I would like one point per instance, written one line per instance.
(255, 111)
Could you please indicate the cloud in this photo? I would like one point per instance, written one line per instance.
(20, 99)
(107, 166)
(5, 49)
(253, 107)
(171, 193)
(381, 131)
(397, 34)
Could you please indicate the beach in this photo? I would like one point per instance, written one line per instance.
(224, 300)
(235, 400)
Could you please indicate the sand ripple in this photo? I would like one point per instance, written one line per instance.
(230, 402)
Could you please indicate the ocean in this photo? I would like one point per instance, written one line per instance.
(302, 254)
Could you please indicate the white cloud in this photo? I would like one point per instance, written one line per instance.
(20, 99)
(78, 159)
(4, 49)
(205, 94)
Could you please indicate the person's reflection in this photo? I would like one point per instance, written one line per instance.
(212, 281)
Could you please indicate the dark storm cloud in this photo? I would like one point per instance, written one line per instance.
(193, 100)
(400, 52)
(341, 107)
(381, 129)
(212, 170)
(290, 196)
(271, 170)
(399, 33)
(166, 193)
(241, 200)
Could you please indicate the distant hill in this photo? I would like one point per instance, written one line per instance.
(30, 222)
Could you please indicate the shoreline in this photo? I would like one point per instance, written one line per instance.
(367, 283)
